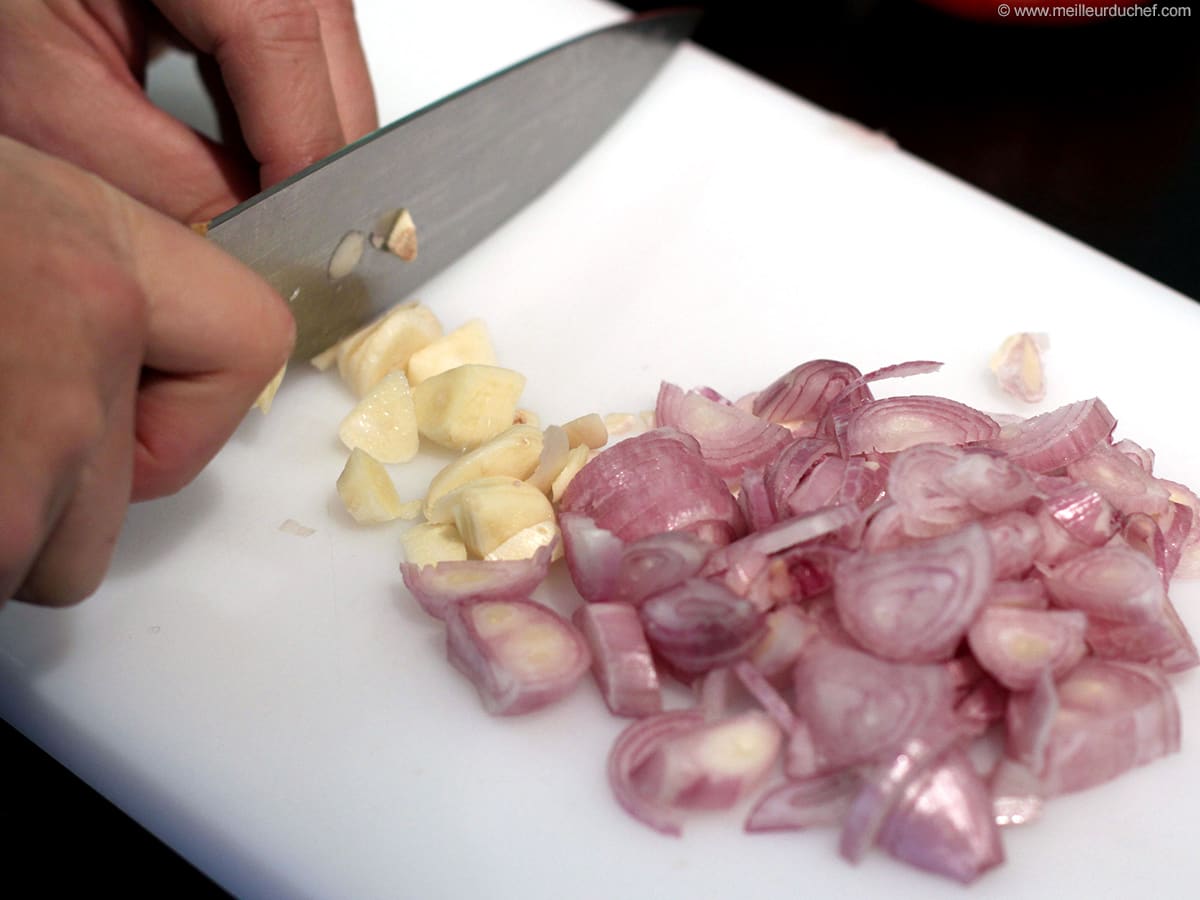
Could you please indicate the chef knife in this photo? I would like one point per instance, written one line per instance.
(460, 167)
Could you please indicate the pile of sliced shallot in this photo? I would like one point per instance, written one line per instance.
(902, 618)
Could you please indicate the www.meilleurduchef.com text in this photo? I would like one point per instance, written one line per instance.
(1086, 11)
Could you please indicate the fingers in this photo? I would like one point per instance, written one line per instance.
(96, 288)
(216, 333)
(272, 58)
(347, 68)
(65, 95)
(71, 332)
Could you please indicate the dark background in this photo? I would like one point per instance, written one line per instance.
(1094, 128)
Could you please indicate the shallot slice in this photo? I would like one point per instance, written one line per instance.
(1016, 540)
(633, 747)
(710, 767)
(657, 562)
(857, 708)
(651, 483)
(520, 655)
(439, 586)
(1111, 582)
(881, 791)
(700, 625)
(896, 423)
(785, 472)
(1164, 641)
(1052, 440)
(1122, 481)
(804, 393)
(768, 698)
(914, 603)
(822, 800)
(593, 556)
(731, 439)
(945, 823)
(1112, 717)
(1016, 645)
(621, 660)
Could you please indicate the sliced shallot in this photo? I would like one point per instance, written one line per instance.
(731, 439)
(520, 655)
(1052, 440)
(438, 586)
(896, 423)
(857, 708)
(699, 625)
(822, 800)
(1015, 645)
(915, 603)
(651, 483)
(944, 823)
(621, 660)
(1112, 716)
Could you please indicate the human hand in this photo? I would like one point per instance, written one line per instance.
(72, 72)
(130, 348)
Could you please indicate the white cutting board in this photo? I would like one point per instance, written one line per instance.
(275, 707)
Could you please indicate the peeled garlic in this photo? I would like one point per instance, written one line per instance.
(367, 491)
(384, 423)
(468, 405)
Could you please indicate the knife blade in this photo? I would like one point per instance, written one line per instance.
(462, 166)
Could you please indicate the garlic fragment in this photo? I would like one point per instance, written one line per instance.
(384, 423)
(347, 254)
(386, 345)
(267, 395)
(1018, 366)
(430, 543)
(402, 236)
(367, 491)
(490, 511)
(467, 405)
(469, 343)
(513, 453)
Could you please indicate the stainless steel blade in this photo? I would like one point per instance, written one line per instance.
(461, 166)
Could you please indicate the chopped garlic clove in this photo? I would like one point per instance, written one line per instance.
(526, 542)
(367, 491)
(589, 430)
(1018, 366)
(467, 344)
(402, 236)
(429, 543)
(555, 449)
(386, 346)
(347, 254)
(576, 460)
(384, 423)
(491, 511)
(264, 400)
(512, 453)
(467, 406)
